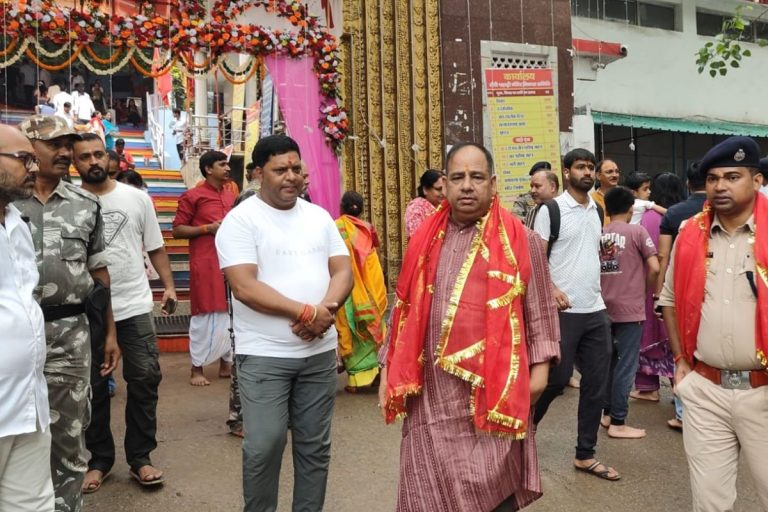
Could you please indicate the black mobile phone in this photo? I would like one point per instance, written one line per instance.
(170, 306)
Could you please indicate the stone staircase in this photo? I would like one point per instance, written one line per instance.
(165, 187)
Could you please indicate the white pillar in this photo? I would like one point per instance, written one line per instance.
(201, 134)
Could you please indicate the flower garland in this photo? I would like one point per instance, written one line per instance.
(10, 61)
(334, 123)
(189, 29)
(126, 57)
(53, 67)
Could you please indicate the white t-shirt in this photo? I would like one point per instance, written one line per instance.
(291, 249)
(58, 103)
(130, 226)
(83, 106)
(178, 127)
(639, 208)
(574, 262)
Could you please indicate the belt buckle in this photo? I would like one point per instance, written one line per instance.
(730, 379)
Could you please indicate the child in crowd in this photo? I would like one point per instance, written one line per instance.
(640, 185)
(624, 250)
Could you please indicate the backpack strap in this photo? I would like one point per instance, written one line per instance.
(601, 214)
(554, 223)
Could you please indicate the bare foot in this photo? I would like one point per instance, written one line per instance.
(574, 383)
(605, 421)
(625, 432)
(225, 369)
(651, 396)
(675, 424)
(196, 377)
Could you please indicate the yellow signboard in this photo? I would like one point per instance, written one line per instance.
(524, 126)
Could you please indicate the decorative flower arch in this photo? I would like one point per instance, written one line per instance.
(53, 37)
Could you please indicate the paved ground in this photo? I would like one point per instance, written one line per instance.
(202, 462)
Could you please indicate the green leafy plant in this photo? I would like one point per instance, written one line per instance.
(725, 52)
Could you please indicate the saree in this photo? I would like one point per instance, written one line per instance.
(360, 320)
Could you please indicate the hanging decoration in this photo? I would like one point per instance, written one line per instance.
(54, 36)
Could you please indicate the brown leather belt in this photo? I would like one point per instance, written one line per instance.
(732, 379)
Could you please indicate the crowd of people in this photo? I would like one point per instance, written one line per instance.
(493, 310)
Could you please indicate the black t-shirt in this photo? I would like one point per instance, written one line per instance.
(679, 212)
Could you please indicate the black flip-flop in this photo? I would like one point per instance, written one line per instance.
(146, 483)
(592, 470)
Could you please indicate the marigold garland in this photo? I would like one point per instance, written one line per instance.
(190, 28)
(234, 81)
(117, 54)
(9, 48)
(153, 74)
(53, 67)
(107, 71)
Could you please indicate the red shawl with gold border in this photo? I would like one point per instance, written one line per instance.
(691, 275)
(488, 293)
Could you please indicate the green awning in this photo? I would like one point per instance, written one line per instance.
(696, 125)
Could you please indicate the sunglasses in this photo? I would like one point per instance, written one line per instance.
(28, 159)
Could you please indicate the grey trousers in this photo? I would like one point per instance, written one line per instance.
(272, 391)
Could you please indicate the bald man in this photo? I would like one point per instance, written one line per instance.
(25, 439)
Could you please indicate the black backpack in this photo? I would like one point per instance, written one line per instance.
(554, 221)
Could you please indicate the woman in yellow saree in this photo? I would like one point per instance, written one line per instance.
(360, 320)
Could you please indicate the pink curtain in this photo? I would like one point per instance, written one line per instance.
(299, 99)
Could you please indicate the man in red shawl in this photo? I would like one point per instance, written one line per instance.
(199, 215)
(473, 333)
(715, 304)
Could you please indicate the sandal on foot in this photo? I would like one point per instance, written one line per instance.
(143, 481)
(592, 469)
(90, 489)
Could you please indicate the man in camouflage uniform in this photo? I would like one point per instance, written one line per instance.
(67, 231)
(524, 203)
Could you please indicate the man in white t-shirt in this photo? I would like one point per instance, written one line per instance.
(58, 101)
(82, 105)
(130, 226)
(289, 271)
(178, 127)
(585, 328)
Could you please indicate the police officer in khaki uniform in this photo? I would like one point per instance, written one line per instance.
(715, 304)
(68, 235)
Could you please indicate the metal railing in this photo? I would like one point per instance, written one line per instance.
(155, 127)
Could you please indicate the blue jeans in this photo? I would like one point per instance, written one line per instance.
(272, 391)
(624, 364)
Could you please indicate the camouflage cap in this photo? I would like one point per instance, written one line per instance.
(41, 127)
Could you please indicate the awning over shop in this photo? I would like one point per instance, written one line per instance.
(702, 125)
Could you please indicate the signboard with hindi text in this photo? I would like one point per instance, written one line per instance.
(522, 108)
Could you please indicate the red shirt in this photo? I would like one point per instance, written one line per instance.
(127, 163)
(199, 206)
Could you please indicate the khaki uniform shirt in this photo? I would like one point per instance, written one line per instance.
(727, 330)
(523, 205)
(68, 235)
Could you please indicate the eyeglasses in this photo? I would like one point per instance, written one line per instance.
(28, 159)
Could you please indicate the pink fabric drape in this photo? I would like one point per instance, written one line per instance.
(299, 99)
